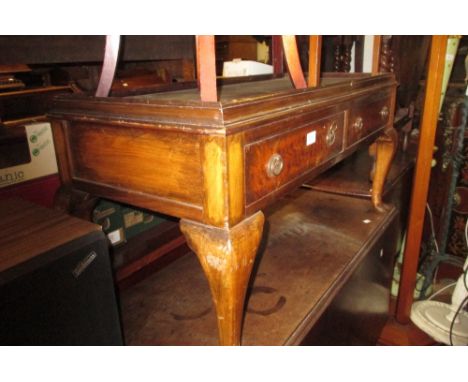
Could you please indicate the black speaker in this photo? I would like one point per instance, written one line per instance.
(56, 294)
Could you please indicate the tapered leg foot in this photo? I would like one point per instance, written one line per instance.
(227, 256)
(383, 151)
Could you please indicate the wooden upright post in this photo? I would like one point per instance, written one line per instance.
(277, 54)
(376, 54)
(421, 178)
(206, 68)
(315, 49)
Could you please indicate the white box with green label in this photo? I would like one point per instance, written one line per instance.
(35, 138)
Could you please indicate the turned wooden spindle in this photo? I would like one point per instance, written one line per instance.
(387, 64)
(337, 57)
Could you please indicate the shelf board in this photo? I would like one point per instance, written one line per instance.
(312, 243)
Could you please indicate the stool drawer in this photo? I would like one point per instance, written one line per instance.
(366, 116)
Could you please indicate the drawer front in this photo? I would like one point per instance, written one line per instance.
(277, 160)
(367, 116)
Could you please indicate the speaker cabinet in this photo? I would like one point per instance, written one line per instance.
(56, 284)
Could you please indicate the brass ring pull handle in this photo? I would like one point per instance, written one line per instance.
(275, 165)
(384, 112)
(358, 124)
(331, 134)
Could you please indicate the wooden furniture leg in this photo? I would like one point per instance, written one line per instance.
(75, 202)
(383, 150)
(227, 256)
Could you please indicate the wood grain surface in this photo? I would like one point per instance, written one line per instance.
(146, 151)
(29, 230)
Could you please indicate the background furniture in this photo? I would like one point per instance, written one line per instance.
(23, 104)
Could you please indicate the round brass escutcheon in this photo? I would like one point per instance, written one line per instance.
(331, 134)
(275, 165)
(384, 112)
(358, 124)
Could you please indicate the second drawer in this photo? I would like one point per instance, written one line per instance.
(366, 116)
(276, 160)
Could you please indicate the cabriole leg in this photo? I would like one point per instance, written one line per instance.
(383, 150)
(227, 256)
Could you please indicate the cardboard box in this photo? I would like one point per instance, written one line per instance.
(27, 153)
(120, 222)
